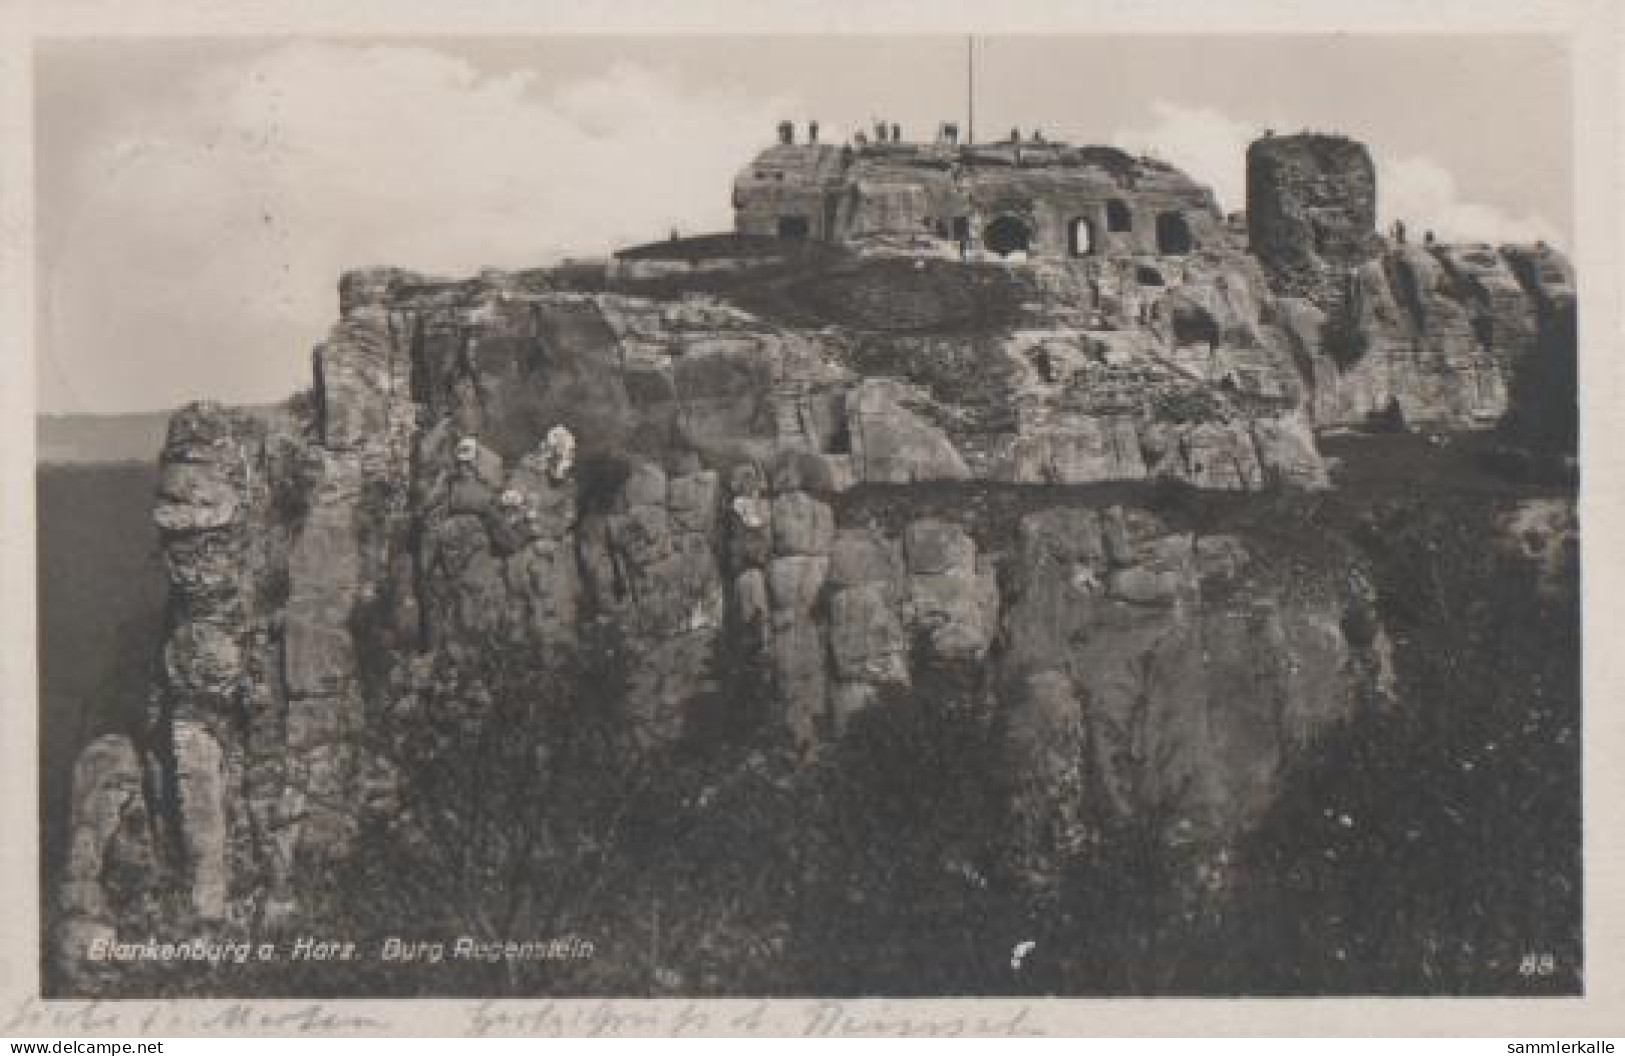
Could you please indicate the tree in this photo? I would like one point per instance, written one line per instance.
(906, 890)
(509, 786)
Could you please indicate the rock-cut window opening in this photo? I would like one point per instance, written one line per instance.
(1173, 234)
(1118, 218)
(794, 227)
(1080, 236)
(1007, 235)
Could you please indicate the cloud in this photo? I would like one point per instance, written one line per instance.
(201, 234)
(1208, 145)
(1212, 147)
(1424, 194)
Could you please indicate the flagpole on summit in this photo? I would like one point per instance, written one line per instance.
(970, 90)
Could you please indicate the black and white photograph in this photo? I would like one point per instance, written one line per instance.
(808, 515)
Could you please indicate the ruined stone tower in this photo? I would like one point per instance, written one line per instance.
(1311, 211)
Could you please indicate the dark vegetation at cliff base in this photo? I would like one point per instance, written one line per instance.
(1436, 852)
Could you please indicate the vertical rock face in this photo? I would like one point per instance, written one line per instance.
(1543, 392)
(214, 489)
(1172, 667)
(1311, 210)
(199, 791)
(892, 445)
(1443, 332)
(651, 568)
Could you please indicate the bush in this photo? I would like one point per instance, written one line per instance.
(1343, 338)
(1431, 851)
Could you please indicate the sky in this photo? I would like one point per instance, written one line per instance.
(197, 199)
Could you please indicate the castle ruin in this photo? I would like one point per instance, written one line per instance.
(1026, 196)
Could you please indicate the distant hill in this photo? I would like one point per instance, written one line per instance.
(101, 595)
(75, 439)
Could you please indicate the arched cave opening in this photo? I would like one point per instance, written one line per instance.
(1194, 325)
(794, 227)
(1007, 235)
(1173, 234)
(1118, 218)
(1080, 237)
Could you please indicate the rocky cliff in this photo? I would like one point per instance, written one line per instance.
(854, 468)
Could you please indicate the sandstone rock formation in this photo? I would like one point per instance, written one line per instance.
(1174, 666)
(508, 459)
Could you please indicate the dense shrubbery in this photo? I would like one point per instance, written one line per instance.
(1436, 850)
